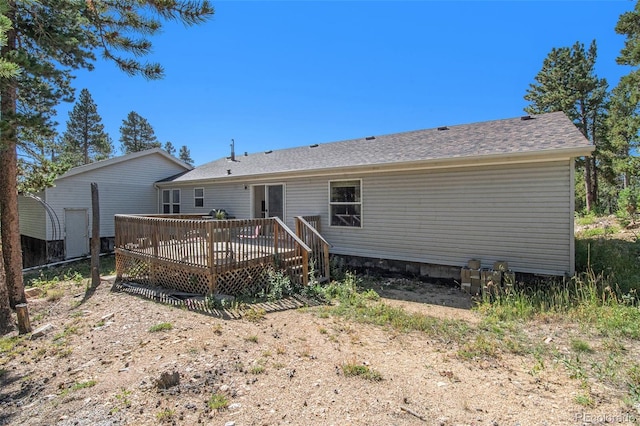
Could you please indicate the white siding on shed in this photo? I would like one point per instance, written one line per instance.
(33, 217)
(125, 188)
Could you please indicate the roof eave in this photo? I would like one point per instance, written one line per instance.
(436, 163)
(115, 160)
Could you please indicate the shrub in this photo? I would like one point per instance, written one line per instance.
(629, 203)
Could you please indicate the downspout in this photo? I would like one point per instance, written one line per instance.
(155, 185)
(572, 207)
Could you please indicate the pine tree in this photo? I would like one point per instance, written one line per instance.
(136, 134)
(47, 41)
(185, 155)
(8, 68)
(168, 146)
(85, 140)
(567, 82)
(625, 102)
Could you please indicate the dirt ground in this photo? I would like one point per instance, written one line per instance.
(101, 365)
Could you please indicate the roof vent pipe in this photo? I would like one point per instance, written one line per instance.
(443, 128)
(370, 138)
(228, 171)
(245, 153)
(233, 150)
(526, 117)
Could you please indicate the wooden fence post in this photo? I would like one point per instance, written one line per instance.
(95, 236)
(22, 312)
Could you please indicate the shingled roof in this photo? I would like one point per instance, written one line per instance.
(522, 136)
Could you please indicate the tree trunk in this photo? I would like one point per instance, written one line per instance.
(95, 236)
(594, 186)
(9, 225)
(6, 321)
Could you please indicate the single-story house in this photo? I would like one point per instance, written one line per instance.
(429, 200)
(55, 224)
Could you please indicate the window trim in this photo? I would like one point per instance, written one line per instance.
(196, 198)
(332, 203)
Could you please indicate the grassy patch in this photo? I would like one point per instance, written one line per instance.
(123, 400)
(579, 345)
(165, 416)
(254, 314)
(218, 401)
(584, 399)
(163, 326)
(83, 385)
(8, 344)
(252, 339)
(615, 259)
(599, 232)
(633, 382)
(589, 219)
(365, 307)
(483, 346)
(257, 369)
(351, 369)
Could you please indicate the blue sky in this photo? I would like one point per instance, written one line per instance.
(273, 75)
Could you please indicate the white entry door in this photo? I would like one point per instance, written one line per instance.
(76, 225)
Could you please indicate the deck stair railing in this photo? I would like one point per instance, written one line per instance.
(308, 230)
(192, 253)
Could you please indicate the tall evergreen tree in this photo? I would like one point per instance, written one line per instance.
(185, 155)
(623, 126)
(8, 68)
(85, 140)
(629, 26)
(625, 105)
(567, 82)
(168, 146)
(136, 134)
(48, 40)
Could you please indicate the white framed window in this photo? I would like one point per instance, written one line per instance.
(198, 197)
(345, 203)
(170, 201)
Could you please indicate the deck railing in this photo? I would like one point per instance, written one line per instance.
(308, 230)
(193, 254)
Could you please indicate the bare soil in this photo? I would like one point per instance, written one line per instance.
(101, 365)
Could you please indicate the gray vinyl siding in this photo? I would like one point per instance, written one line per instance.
(124, 188)
(229, 196)
(33, 217)
(518, 213)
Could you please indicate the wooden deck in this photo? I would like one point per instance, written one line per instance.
(194, 254)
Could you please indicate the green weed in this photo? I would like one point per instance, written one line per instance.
(633, 382)
(218, 401)
(165, 416)
(83, 385)
(579, 345)
(163, 326)
(358, 370)
(584, 399)
(254, 314)
(257, 369)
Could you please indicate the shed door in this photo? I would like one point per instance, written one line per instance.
(76, 224)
